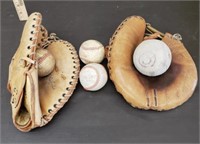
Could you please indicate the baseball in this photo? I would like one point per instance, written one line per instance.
(46, 62)
(91, 51)
(93, 77)
(152, 57)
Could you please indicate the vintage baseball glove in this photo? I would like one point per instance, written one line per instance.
(163, 92)
(36, 100)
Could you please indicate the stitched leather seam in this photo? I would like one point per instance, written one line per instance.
(112, 41)
(74, 79)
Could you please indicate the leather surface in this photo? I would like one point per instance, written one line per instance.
(57, 88)
(163, 92)
(36, 100)
(103, 116)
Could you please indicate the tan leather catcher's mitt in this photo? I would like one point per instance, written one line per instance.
(36, 100)
(163, 92)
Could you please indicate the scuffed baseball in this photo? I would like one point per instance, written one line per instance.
(46, 62)
(93, 77)
(152, 57)
(91, 51)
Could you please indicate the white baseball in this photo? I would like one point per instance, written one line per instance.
(93, 77)
(46, 62)
(91, 51)
(152, 57)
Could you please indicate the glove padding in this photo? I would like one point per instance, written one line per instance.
(36, 100)
(163, 92)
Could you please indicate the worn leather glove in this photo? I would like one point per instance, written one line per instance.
(163, 92)
(36, 100)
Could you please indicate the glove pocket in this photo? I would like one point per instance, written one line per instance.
(28, 113)
(20, 114)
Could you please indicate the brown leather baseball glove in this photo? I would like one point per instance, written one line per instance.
(36, 100)
(163, 92)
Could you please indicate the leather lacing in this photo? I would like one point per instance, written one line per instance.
(29, 59)
(44, 34)
(72, 83)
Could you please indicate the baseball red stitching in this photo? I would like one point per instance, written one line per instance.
(41, 59)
